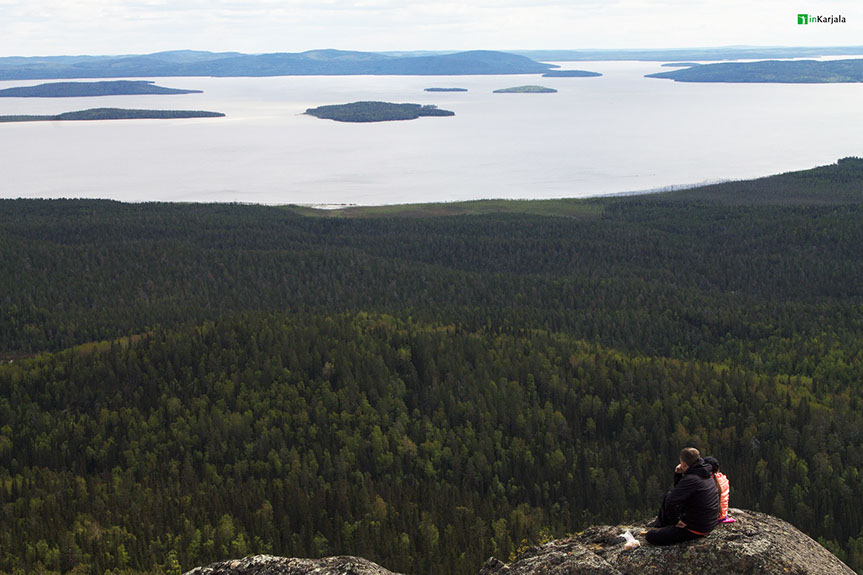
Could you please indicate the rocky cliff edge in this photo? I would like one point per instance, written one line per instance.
(756, 544)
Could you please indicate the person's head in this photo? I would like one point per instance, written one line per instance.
(713, 463)
(689, 456)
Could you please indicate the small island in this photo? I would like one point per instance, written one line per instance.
(446, 89)
(771, 71)
(570, 74)
(680, 64)
(88, 89)
(526, 90)
(375, 112)
(114, 114)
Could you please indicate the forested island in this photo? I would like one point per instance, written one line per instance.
(777, 71)
(570, 74)
(680, 64)
(376, 112)
(526, 90)
(196, 382)
(690, 54)
(82, 89)
(446, 89)
(113, 114)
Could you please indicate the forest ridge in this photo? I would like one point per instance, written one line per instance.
(190, 383)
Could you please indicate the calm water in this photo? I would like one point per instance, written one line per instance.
(617, 133)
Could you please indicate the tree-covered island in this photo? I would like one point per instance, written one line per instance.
(375, 112)
(526, 90)
(113, 114)
(446, 89)
(772, 71)
(87, 89)
(570, 74)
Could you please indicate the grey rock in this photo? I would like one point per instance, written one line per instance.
(757, 544)
(270, 565)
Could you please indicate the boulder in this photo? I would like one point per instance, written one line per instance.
(270, 565)
(756, 544)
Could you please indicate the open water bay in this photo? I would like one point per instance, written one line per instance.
(617, 133)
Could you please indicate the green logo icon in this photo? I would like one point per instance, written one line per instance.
(803, 18)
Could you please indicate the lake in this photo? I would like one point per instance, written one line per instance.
(617, 133)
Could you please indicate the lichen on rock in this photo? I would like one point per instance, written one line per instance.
(756, 544)
(270, 565)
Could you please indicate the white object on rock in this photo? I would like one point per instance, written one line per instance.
(631, 542)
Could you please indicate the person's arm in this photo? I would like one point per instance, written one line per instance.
(681, 492)
(678, 473)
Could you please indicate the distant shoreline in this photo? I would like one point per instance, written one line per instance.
(95, 114)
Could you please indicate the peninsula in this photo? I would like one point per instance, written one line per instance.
(771, 71)
(526, 90)
(375, 112)
(113, 114)
(86, 89)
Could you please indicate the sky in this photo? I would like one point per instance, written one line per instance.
(54, 27)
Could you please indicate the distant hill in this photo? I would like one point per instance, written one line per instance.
(792, 72)
(313, 62)
(680, 64)
(375, 112)
(113, 114)
(81, 89)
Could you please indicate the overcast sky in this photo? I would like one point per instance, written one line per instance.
(49, 27)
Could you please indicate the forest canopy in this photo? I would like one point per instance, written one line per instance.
(183, 383)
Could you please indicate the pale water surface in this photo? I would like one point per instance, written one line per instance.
(617, 133)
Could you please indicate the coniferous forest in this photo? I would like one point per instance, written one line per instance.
(183, 383)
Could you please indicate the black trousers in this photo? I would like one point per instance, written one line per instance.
(666, 516)
(670, 535)
(667, 533)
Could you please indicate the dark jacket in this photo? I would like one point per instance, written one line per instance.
(695, 497)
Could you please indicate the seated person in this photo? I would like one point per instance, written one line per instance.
(691, 509)
(723, 487)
